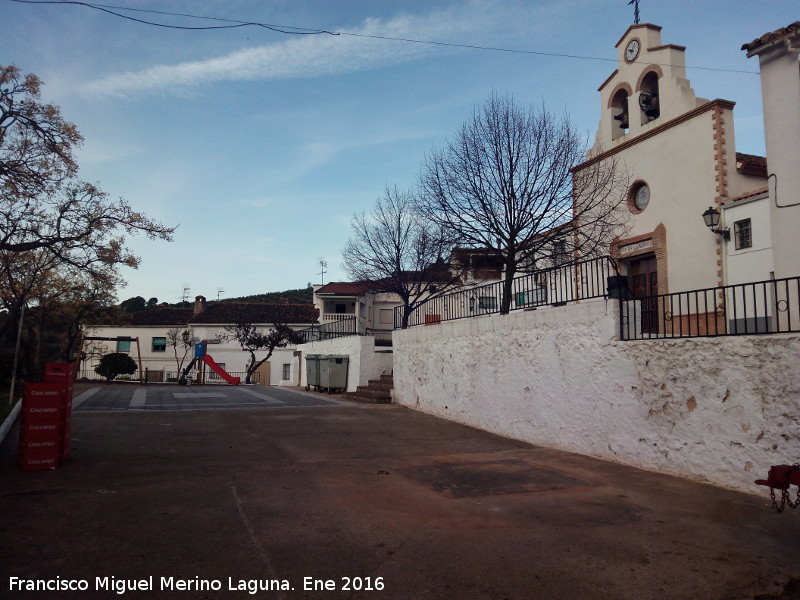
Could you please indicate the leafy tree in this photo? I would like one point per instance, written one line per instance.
(506, 184)
(182, 343)
(400, 251)
(251, 340)
(114, 364)
(36, 143)
(58, 298)
(48, 218)
(134, 304)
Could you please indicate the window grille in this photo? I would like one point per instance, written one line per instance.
(742, 232)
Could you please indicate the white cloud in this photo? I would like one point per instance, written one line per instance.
(309, 56)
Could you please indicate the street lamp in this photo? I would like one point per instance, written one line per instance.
(711, 217)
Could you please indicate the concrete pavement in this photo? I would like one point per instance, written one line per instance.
(380, 499)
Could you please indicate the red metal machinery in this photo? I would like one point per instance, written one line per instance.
(782, 477)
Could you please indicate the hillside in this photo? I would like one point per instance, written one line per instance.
(301, 296)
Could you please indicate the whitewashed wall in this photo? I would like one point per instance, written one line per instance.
(721, 410)
(367, 361)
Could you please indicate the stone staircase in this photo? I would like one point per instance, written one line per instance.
(379, 391)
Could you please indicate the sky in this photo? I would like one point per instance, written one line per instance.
(261, 143)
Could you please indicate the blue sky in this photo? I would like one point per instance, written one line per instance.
(261, 145)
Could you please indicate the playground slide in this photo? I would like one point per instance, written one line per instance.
(220, 371)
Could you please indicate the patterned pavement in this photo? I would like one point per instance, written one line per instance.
(120, 398)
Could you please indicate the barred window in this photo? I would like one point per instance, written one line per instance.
(742, 232)
(559, 252)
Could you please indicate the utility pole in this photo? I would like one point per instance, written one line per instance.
(16, 354)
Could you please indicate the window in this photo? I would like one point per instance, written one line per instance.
(212, 375)
(159, 344)
(341, 309)
(559, 252)
(743, 234)
(387, 316)
(287, 371)
(123, 345)
(487, 302)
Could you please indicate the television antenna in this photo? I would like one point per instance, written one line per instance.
(323, 264)
(219, 291)
(186, 290)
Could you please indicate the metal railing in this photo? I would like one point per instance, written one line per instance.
(554, 286)
(326, 331)
(757, 308)
(343, 328)
(159, 376)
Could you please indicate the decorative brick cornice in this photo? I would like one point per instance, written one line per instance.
(721, 177)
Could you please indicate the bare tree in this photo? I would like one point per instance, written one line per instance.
(506, 184)
(251, 340)
(181, 343)
(397, 250)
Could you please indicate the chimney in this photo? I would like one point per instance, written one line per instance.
(199, 304)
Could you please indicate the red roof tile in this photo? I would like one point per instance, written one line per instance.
(346, 288)
(749, 195)
(750, 164)
(771, 37)
(162, 316)
(256, 312)
(227, 313)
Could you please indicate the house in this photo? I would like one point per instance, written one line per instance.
(778, 53)
(360, 302)
(146, 338)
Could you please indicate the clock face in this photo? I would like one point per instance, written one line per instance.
(642, 197)
(632, 50)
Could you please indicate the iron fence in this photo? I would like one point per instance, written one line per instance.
(340, 328)
(163, 376)
(554, 286)
(343, 328)
(762, 307)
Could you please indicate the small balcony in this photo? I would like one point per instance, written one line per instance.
(328, 317)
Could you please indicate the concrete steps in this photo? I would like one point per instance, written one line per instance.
(379, 391)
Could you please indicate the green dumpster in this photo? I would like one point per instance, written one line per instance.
(333, 372)
(312, 371)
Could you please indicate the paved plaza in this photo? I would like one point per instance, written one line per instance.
(274, 494)
(194, 397)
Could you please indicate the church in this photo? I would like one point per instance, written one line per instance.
(699, 211)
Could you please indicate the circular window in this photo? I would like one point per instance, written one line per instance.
(639, 197)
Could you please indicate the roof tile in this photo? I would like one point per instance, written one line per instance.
(771, 37)
(256, 312)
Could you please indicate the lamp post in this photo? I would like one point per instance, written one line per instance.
(711, 218)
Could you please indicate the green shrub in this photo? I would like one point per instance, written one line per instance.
(115, 363)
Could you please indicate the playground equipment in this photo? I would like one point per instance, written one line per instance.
(782, 477)
(200, 356)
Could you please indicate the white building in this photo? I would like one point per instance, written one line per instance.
(146, 339)
(779, 62)
(681, 154)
